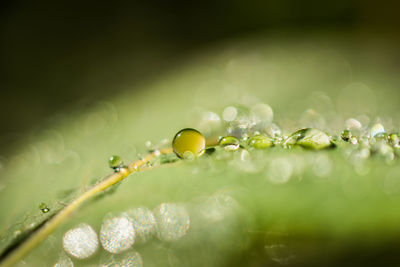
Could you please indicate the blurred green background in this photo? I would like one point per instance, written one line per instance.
(57, 56)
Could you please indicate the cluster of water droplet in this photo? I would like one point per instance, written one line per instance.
(168, 222)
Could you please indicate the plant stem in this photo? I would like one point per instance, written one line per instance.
(44, 231)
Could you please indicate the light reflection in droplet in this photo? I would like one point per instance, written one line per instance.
(172, 221)
(143, 221)
(117, 234)
(81, 242)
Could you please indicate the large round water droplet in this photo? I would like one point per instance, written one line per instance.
(309, 138)
(172, 221)
(188, 140)
(117, 234)
(81, 242)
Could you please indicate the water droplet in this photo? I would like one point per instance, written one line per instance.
(115, 162)
(260, 141)
(353, 124)
(128, 259)
(43, 207)
(309, 138)
(376, 129)
(394, 140)
(353, 140)
(172, 221)
(273, 130)
(346, 135)
(81, 242)
(229, 143)
(243, 122)
(117, 234)
(143, 221)
(188, 140)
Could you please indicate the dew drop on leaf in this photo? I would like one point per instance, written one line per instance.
(394, 139)
(43, 207)
(115, 162)
(346, 135)
(376, 129)
(309, 138)
(229, 143)
(260, 141)
(188, 140)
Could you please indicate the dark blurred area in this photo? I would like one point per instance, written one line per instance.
(56, 55)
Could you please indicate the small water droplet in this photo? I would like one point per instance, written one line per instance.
(260, 141)
(309, 138)
(188, 140)
(376, 129)
(229, 143)
(273, 130)
(394, 140)
(353, 140)
(345, 135)
(115, 162)
(43, 207)
(353, 124)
